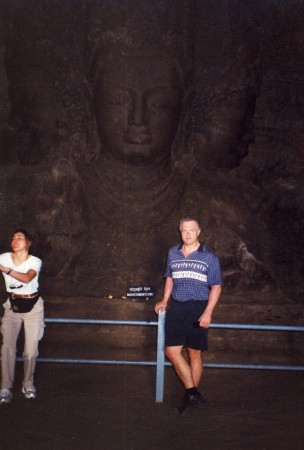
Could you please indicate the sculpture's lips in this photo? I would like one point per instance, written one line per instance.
(137, 138)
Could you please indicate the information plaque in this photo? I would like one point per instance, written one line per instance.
(144, 292)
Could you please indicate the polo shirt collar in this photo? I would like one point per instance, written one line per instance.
(200, 249)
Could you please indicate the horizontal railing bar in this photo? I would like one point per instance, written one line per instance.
(102, 322)
(153, 363)
(237, 326)
(244, 326)
(253, 366)
(95, 361)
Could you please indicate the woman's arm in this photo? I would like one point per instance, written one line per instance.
(23, 277)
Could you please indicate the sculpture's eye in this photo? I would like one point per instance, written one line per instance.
(163, 97)
(117, 96)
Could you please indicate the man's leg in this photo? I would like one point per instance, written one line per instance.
(196, 365)
(181, 365)
(189, 374)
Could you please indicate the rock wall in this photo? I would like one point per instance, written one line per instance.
(118, 118)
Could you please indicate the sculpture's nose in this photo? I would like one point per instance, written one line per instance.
(137, 114)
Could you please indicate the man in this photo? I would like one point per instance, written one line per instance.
(193, 279)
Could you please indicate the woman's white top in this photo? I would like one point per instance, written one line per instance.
(13, 285)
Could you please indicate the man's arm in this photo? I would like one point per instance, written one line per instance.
(214, 295)
(166, 296)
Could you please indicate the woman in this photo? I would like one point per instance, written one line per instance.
(24, 306)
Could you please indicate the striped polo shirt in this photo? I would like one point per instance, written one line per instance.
(193, 275)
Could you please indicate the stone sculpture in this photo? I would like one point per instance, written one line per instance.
(125, 116)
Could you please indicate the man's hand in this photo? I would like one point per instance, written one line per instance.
(205, 319)
(160, 305)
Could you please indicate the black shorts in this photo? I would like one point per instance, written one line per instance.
(180, 326)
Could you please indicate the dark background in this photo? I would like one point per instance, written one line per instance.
(235, 158)
(222, 105)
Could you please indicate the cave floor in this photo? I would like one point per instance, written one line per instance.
(111, 407)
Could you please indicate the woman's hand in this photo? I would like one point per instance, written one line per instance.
(4, 269)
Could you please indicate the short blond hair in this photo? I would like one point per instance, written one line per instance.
(189, 219)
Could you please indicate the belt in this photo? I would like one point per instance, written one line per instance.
(35, 294)
(190, 300)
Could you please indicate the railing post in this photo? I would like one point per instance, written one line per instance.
(160, 363)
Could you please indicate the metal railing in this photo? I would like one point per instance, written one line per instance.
(161, 354)
(160, 362)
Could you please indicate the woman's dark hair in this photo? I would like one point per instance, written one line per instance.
(26, 234)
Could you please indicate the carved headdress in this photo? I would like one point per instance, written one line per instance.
(139, 28)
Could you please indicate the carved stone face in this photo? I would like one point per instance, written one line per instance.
(137, 105)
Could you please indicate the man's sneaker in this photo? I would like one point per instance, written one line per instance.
(29, 392)
(191, 403)
(5, 396)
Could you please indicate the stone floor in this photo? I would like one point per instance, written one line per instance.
(113, 408)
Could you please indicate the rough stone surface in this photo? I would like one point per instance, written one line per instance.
(117, 118)
(112, 407)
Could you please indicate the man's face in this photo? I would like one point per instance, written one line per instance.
(137, 105)
(190, 232)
